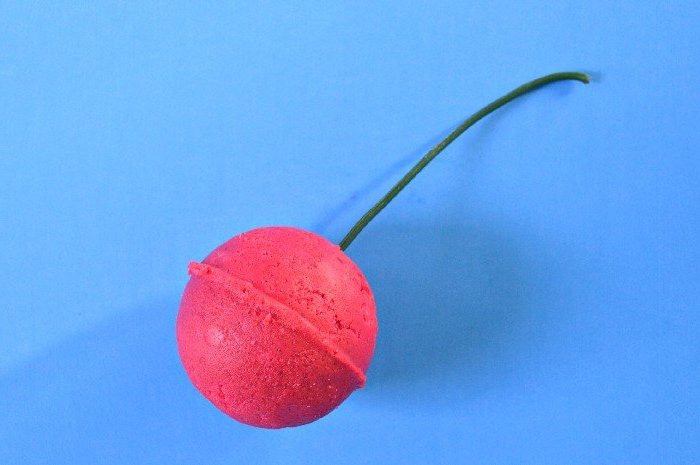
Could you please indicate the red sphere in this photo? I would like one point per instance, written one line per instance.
(276, 327)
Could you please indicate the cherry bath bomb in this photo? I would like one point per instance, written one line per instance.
(276, 327)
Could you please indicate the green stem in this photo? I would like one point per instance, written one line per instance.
(435, 151)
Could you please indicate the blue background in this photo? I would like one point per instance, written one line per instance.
(537, 286)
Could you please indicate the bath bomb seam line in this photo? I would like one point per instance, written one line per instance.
(214, 273)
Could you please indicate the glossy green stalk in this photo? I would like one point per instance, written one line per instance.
(435, 151)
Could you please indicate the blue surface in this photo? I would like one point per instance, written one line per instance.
(537, 286)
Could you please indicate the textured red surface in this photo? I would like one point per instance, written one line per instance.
(276, 327)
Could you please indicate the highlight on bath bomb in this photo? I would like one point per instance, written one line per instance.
(277, 327)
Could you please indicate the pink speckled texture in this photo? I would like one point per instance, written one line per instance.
(276, 327)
